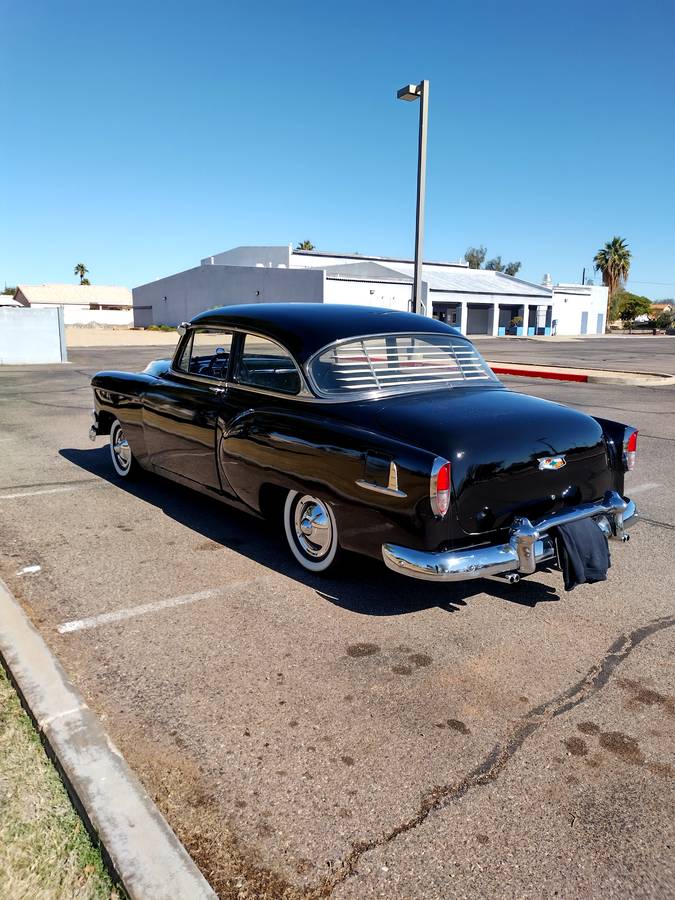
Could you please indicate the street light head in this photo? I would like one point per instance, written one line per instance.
(410, 92)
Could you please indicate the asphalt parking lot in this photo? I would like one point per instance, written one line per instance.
(630, 353)
(363, 735)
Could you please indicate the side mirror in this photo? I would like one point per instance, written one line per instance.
(182, 328)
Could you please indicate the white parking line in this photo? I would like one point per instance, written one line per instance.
(639, 488)
(120, 615)
(55, 490)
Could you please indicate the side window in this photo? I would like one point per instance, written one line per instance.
(264, 364)
(207, 353)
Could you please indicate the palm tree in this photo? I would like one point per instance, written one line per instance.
(613, 261)
(81, 270)
(305, 245)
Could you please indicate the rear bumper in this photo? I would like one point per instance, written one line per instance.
(529, 544)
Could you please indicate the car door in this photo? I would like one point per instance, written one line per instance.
(263, 376)
(181, 412)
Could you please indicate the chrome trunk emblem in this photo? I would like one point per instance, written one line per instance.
(551, 462)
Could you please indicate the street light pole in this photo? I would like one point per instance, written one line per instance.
(419, 92)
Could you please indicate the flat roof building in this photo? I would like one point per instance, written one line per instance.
(83, 304)
(477, 301)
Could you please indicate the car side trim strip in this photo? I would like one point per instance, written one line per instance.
(391, 488)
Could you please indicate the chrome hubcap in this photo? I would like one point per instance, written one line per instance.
(313, 527)
(121, 449)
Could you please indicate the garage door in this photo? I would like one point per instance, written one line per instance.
(478, 320)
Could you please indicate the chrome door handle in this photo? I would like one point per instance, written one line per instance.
(218, 390)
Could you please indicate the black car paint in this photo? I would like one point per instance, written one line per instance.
(238, 444)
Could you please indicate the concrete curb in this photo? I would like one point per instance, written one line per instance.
(137, 842)
(590, 376)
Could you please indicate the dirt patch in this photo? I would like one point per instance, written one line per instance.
(183, 795)
(358, 651)
(641, 696)
(623, 746)
(458, 725)
(576, 746)
(588, 728)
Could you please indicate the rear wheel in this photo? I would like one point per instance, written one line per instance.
(122, 458)
(311, 531)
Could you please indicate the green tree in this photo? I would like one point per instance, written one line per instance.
(632, 306)
(9, 291)
(613, 262)
(619, 297)
(665, 320)
(475, 256)
(305, 245)
(81, 270)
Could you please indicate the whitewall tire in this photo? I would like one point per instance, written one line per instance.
(311, 531)
(120, 452)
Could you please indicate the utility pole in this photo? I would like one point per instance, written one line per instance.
(419, 92)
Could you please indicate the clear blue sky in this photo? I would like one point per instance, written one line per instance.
(140, 136)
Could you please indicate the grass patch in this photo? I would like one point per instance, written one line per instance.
(45, 851)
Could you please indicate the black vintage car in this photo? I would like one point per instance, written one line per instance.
(368, 430)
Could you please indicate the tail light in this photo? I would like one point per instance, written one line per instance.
(630, 450)
(439, 488)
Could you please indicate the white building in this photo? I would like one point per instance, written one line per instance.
(579, 309)
(83, 304)
(475, 300)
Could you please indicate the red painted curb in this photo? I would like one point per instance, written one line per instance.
(539, 373)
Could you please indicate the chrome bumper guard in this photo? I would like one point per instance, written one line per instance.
(529, 545)
(93, 431)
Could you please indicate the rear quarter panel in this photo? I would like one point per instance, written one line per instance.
(309, 452)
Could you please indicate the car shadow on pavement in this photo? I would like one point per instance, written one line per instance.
(361, 585)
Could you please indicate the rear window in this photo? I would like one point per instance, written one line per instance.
(398, 362)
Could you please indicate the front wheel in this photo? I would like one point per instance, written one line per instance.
(311, 531)
(122, 458)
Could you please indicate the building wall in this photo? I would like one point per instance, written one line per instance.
(570, 301)
(82, 315)
(271, 257)
(29, 335)
(368, 293)
(179, 297)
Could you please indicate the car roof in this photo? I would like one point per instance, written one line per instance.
(304, 328)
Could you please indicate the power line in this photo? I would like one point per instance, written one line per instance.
(662, 283)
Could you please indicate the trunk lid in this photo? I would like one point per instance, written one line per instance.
(494, 439)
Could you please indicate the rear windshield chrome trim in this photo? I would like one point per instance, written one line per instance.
(419, 387)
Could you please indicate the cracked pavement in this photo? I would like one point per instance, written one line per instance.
(363, 735)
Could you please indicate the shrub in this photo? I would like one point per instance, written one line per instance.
(664, 320)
